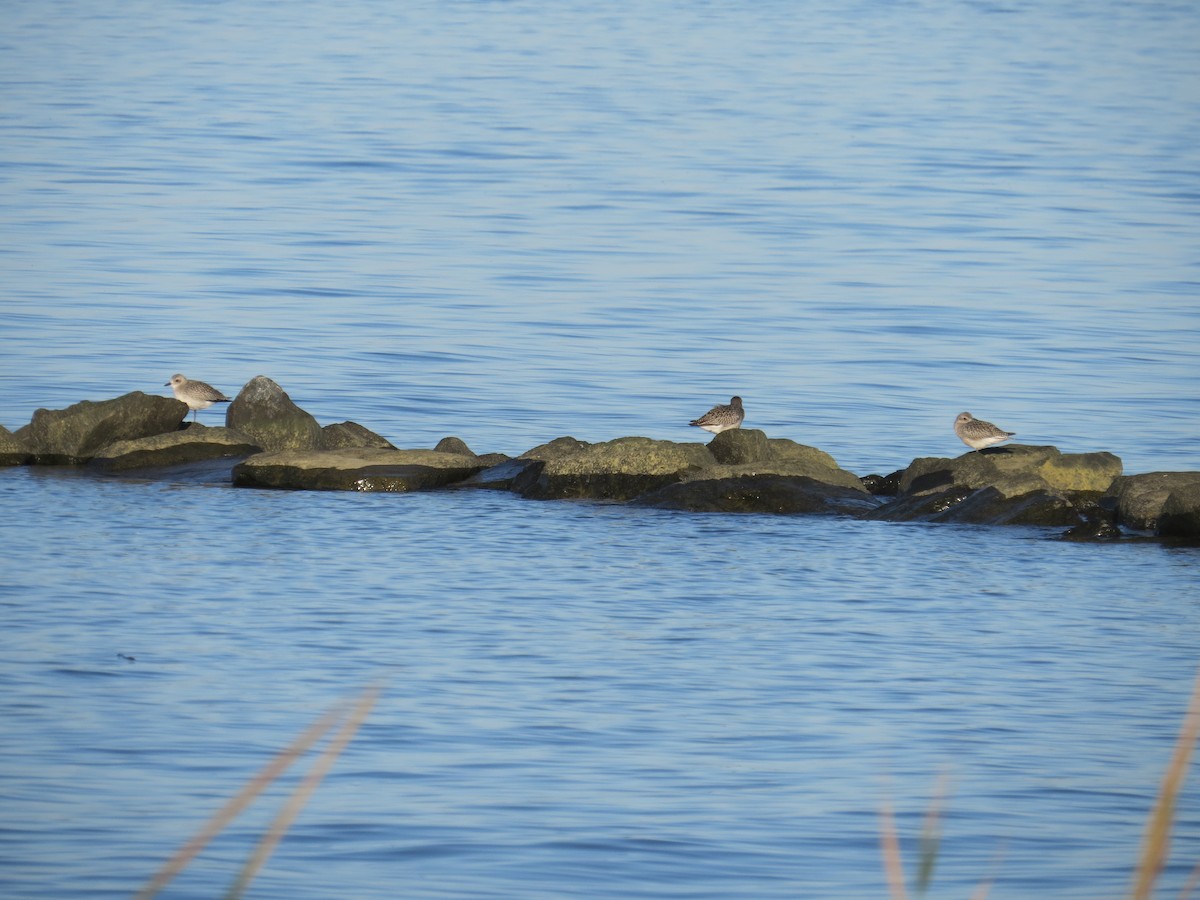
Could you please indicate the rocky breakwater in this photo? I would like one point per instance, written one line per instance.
(1014, 485)
(270, 442)
(139, 431)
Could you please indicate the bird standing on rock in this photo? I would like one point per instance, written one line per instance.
(722, 418)
(196, 394)
(977, 434)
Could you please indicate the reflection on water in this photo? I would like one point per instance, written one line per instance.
(510, 223)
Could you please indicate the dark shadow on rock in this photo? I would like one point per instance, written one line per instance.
(775, 494)
(365, 470)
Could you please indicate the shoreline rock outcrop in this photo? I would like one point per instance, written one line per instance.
(270, 442)
(72, 436)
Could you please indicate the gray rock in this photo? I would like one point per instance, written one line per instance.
(453, 445)
(354, 469)
(1180, 516)
(776, 494)
(74, 435)
(563, 446)
(197, 443)
(13, 452)
(1139, 499)
(614, 470)
(264, 412)
(344, 435)
(740, 446)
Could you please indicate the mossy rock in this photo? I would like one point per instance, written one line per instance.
(74, 435)
(1012, 471)
(267, 414)
(562, 446)
(354, 469)
(616, 470)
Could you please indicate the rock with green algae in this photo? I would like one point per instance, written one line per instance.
(74, 435)
(614, 470)
(355, 469)
(263, 411)
(1016, 485)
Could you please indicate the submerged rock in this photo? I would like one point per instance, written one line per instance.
(267, 414)
(1017, 485)
(74, 435)
(1139, 500)
(354, 469)
(13, 452)
(196, 443)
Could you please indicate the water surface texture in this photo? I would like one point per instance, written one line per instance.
(511, 221)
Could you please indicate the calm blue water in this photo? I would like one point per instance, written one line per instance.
(511, 221)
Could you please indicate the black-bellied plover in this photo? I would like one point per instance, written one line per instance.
(977, 434)
(722, 418)
(196, 394)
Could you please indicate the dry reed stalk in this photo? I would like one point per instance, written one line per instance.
(1192, 881)
(258, 784)
(303, 792)
(893, 866)
(1157, 842)
(237, 803)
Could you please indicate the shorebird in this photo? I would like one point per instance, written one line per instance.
(977, 434)
(196, 394)
(722, 418)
